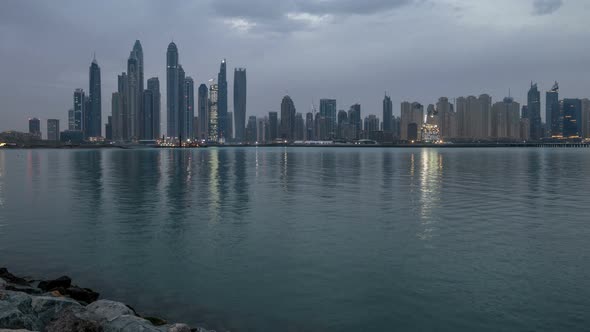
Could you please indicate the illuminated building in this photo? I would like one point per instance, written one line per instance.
(430, 133)
(213, 116)
(412, 119)
(572, 118)
(553, 116)
(203, 114)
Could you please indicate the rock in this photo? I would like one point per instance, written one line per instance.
(2, 284)
(127, 323)
(67, 321)
(4, 330)
(7, 276)
(49, 285)
(109, 310)
(156, 321)
(179, 328)
(16, 311)
(47, 308)
(82, 294)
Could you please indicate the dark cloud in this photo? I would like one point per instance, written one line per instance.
(545, 7)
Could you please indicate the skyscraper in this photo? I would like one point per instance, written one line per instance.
(172, 91)
(117, 116)
(534, 112)
(182, 107)
(213, 113)
(108, 128)
(203, 114)
(79, 105)
(153, 85)
(251, 130)
(506, 120)
(553, 118)
(299, 127)
(354, 117)
(94, 118)
(309, 132)
(53, 130)
(412, 119)
(287, 118)
(447, 122)
(273, 124)
(222, 101)
(35, 127)
(229, 126)
(189, 107)
(387, 113)
(240, 94)
(328, 111)
(71, 119)
(572, 118)
(133, 97)
(586, 118)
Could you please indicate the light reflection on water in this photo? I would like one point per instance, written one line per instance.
(311, 239)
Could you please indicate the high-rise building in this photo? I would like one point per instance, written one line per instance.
(203, 113)
(534, 112)
(585, 118)
(273, 124)
(572, 118)
(261, 130)
(447, 119)
(148, 113)
(79, 109)
(213, 113)
(287, 130)
(412, 119)
(251, 130)
(343, 124)
(309, 126)
(553, 116)
(35, 127)
(371, 124)
(93, 126)
(485, 102)
(172, 91)
(472, 117)
(299, 130)
(328, 112)
(240, 96)
(133, 97)
(222, 101)
(117, 122)
(506, 120)
(189, 107)
(196, 133)
(355, 120)
(387, 114)
(52, 130)
(153, 84)
(182, 107)
(138, 52)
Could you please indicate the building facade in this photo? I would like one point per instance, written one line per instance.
(240, 98)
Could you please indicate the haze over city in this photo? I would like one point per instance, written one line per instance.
(346, 50)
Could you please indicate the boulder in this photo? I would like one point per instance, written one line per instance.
(2, 284)
(156, 321)
(7, 276)
(109, 310)
(61, 282)
(46, 308)
(5, 330)
(82, 294)
(16, 311)
(127, 323)
(179, 328)
(68, 321)
(23, 289)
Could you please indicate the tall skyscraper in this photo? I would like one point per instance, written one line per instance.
(273, 124)
(309, 132)
(343, 124)
(553, 118)
(222, 101)
(506, 120)
(287, 130)
(229, 126)
(153, 123)
(189, 107)
(251, 130)
(446, 117)
(133, 97)
(53, 130)
(79, 109)
(299, 127)
(203, 114)
(117, 117)
(585, 118)
(108, 128)
(213, 113)
(35, 127)
(172, 91)
(572, 118)
(328, 111)
(94, 118)
(534, 112)
(240, 94)
(387, 114)
(182, 107)
(354, 117)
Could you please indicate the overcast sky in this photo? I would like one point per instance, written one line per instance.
(350, 50)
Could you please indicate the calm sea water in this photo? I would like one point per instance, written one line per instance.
(311, 239)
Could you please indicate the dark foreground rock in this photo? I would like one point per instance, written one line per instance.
(58, 306)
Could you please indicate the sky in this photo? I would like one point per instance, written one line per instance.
(350, 50)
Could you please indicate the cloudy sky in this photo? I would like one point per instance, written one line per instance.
(350, 50)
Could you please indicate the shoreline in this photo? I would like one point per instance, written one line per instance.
(58, 305)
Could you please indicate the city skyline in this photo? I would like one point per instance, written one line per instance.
(312, 75)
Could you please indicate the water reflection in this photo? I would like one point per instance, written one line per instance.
(179, 186)
(86, 171)
(242, 197)
(430, 190)
(2, 177)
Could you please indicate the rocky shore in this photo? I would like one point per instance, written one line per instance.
(59, 306)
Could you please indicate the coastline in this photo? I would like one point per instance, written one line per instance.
(58, 305)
